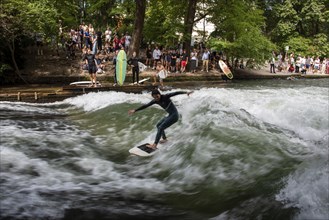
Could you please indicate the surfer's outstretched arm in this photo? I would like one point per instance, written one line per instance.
(179, 93)
(132, 111)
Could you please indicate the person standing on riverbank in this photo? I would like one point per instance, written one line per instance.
(115, 67)
(184, 61)
(205, 60)
(156, 56)
(92, 68)
(272, 63)
(133, 61)
(194, 61)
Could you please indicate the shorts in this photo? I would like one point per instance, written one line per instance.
(92, 69)
(183, 63)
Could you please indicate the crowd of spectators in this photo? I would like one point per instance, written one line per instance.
(298, 64)
(98, 48)
(174, 59)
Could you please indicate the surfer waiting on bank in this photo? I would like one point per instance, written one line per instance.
(165, 102)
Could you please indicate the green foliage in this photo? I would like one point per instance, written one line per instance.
(69, 12)
(4, 68)
(19, 18)
(316, 46)
(240, 31)
(163, 22)
(320, 45)
(115, 14)
(296, 18)
(300, 45)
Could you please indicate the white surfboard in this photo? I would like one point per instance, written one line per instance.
(143, 151)
(225, 69)
(163, 74)
(142, 67)
(143, 80)
(84, 83)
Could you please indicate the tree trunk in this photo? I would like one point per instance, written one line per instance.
(12, 52)
(138, 27)
(188, 25)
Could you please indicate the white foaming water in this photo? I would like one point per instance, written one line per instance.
(308, 190)
(225, 137)
(95, 101)
(28, 107)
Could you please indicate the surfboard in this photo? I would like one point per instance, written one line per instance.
(121, 67)
(225, 69)
(143, 150)
(83, 83)
(141, 67)
(162, 74)
(143, 80)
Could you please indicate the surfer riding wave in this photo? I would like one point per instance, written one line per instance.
(165, 102)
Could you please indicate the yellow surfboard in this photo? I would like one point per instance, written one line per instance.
(121, 67)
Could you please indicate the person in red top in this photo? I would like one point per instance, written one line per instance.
(123, 40)
(184, 61)
(116, 43)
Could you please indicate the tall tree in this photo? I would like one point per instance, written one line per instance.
(188, 25)
(138, 26)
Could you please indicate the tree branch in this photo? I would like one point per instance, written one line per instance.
(201, 17)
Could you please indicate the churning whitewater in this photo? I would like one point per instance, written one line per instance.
(252, 150)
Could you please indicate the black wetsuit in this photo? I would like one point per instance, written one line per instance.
(134, 62)
(166, 103)
(91, 63)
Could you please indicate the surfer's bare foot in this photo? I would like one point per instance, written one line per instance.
(163, 141)
(153, 146)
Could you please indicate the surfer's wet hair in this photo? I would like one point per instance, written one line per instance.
(156, 92)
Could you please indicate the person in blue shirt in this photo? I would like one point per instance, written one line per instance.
(165, 102)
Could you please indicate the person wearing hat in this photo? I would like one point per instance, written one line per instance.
(165, 102)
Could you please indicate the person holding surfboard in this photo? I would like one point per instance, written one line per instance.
(161, 74)
(165, 102)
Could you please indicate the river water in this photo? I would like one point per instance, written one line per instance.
(251, 150)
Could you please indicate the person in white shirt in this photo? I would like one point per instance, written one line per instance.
(194, 61)
(317, 64)
(156, 56)
(108, 34)
(205, 60)
(127, 41)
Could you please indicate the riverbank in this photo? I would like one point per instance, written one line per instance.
(55, 88)
(49, 80)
